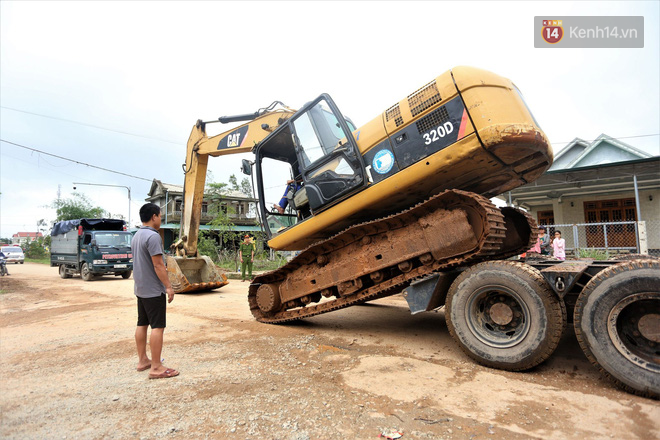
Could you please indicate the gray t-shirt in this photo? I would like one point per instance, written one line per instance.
(146, 244)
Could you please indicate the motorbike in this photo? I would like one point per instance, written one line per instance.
(3, 267)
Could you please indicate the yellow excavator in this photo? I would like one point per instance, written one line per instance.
(375, 207)
(401, 205)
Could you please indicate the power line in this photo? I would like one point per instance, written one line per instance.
(76, 161)
(179, 143)
(91, 125)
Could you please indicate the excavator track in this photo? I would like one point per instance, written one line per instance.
(288, 293)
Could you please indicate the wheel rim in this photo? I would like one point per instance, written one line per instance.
(497, 316)
(85, 270)
(62, 272)
(633, 326)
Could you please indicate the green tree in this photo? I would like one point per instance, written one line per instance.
(206, 245)
(246, 187)
(42, 225)
(221, 222)
(35, 248)
(233, 183)
(75, 207)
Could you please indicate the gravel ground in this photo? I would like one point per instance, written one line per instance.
(68, 372)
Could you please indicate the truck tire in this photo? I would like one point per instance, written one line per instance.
(616, 319)
(86, 273)
(504, 315)
(63, 273)
(126, 275)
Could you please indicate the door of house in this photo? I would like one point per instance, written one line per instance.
(606, 211)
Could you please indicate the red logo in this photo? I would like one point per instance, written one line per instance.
(552, 31)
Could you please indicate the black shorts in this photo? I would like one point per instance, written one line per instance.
(151, 311)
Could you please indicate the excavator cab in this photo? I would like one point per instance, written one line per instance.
(317, 146)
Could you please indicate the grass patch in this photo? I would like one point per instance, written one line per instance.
(38, 260)
(596, 254)
(258, 265)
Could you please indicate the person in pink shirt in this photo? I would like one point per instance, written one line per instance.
(537, 246)
(559, 246)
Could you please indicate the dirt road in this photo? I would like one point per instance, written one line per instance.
(68, 371)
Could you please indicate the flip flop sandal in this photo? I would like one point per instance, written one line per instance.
(164, 375)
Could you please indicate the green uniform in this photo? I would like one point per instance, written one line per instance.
(246, 260)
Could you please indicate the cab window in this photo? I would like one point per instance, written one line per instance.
(318, 132)
(308, 140)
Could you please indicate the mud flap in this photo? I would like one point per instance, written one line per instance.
(429, 293)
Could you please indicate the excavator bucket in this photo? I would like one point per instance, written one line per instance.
(194, 274)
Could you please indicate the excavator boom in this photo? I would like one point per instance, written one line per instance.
(187, 271)
(241, 139)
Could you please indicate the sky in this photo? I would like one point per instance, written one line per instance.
(119, 85)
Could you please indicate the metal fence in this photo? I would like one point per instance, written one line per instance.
(605, 239)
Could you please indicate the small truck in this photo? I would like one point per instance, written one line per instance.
(91, 248)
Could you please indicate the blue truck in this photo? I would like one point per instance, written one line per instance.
(91, 248)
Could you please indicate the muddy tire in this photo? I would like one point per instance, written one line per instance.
(86, 273)
(126, 275)
(504, 315)
(617, 318)
(63, 273)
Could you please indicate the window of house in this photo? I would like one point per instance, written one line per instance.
(607, 211)
(610, 210)
(546, 217)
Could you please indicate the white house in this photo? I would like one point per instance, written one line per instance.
(21, 238)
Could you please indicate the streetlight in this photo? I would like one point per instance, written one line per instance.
(117, 186)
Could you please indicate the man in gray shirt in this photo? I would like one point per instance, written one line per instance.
(151, 285)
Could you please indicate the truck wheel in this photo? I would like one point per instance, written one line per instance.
(617, 323)
(63, 273)
(85, 273)
(126, 275)
(504, 315)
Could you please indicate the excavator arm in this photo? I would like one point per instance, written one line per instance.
(187, 271)
(240, 139)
